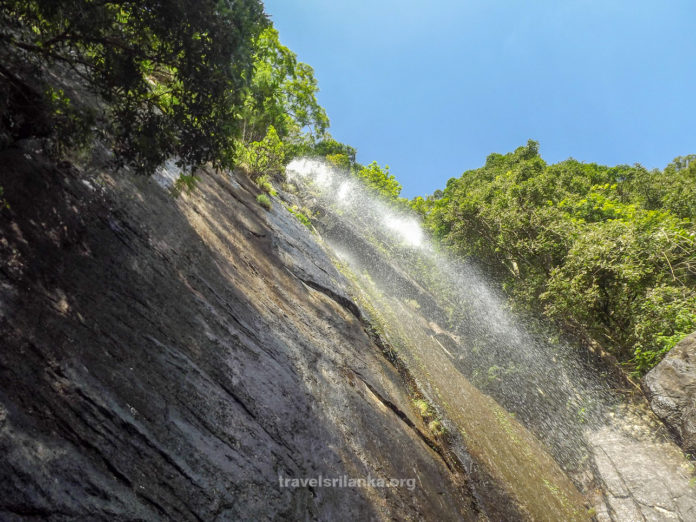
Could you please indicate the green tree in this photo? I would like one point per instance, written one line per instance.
(282, 93)
(673, 189)
(380, 180)
(171, 72)
(336, 153)
(608, 254)
(329, 146)
(623, 284)
(265, 157)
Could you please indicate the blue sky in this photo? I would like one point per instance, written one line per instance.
(431, 88)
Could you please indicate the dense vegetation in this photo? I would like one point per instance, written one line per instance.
(170, 74)
(606, 253)
(202, 82)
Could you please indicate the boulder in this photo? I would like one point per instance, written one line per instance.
(671, 390)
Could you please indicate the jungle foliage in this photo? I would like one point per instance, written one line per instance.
(172, 75)
(281, 117)
(282, 93)
(201, 81)
(606, 253)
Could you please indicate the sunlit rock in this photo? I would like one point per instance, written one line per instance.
(671, 388)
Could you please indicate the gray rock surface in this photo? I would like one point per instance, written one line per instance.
(170, 359)
(642, 476)
(671, 389)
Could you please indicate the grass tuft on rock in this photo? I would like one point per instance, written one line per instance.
(264, 201)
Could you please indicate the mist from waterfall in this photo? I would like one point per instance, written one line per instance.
(433, 301)
(540, 381)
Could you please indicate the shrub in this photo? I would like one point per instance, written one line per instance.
(340, 161)
(263, 158)
(437, 428)
(264, 201)
(380, 180)
(268, 188)
(301, 216)
(424, 408)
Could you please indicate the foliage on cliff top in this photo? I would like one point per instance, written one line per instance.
(281, 117)
(282, 94)
(379, 180)
(607, 253)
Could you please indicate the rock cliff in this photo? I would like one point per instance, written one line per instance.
(202, 358)
(170, 359)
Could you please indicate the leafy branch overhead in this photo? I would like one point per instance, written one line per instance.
(172, 72)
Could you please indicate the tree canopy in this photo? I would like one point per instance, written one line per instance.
(607, 253)
(282, 93)
(173, 73)
(380, 180)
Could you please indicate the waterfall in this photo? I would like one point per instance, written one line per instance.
(532, 410)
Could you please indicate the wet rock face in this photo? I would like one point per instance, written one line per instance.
(671, 389)
(170, 359)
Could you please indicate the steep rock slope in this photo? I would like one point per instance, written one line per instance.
(172, 358)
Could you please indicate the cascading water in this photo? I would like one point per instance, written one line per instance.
(508, 397)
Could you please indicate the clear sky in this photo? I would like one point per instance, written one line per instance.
(431, 88)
